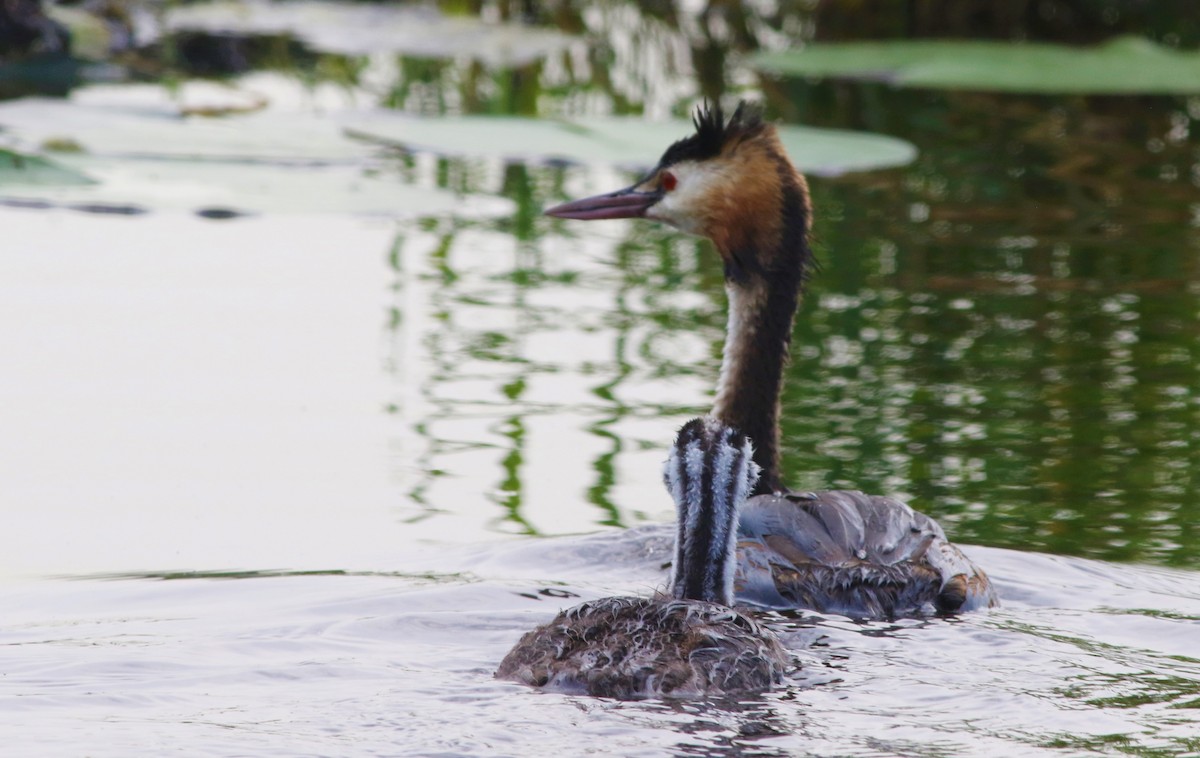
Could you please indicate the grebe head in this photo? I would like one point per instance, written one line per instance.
(731, 182)
(710, 472)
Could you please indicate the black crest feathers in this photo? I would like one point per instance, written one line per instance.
(713, 133)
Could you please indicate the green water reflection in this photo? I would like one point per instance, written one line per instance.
(1005, 332)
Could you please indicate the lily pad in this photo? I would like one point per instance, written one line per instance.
(626, 142)
(364, 29)
(1124, 65)
(23, 169)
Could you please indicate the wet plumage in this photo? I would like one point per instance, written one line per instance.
(846, 552)
(688, 643)
(635, 647)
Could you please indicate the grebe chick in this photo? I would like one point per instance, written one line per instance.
(689, 643)
(841, 551)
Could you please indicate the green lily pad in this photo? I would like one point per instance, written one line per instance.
(365, 29)
(24, 169)
(1125, 65)
(626, 142)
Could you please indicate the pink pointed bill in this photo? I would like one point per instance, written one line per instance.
(624, 203)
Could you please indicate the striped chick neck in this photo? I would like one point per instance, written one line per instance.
(710, 472)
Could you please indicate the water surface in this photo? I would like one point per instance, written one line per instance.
(291, 483)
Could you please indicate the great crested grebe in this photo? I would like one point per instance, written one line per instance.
(837, 551)
(688, 643)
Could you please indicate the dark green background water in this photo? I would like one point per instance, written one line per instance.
(1005, 331)
(1023, 304)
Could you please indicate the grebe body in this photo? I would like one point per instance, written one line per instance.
(859, 555)
(686, 642)
(647, 647)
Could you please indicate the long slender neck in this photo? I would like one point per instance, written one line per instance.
(756, 350)
(709, 473)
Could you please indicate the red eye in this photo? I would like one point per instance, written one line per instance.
(668, 181)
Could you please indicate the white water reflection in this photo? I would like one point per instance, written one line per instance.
(189, 394)
(195, 395)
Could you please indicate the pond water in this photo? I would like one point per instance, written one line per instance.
(292, 482)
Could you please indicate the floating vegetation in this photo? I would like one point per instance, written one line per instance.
(133, 147)
(365, 29)
(1125, 65)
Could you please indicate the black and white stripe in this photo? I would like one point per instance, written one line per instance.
(709, 473)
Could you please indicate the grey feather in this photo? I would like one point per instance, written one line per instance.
(842, 551)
